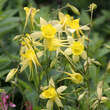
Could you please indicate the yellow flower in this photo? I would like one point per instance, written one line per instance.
(77, 48)
(68, 19)
(49, 93)
(75, 27)
(52, 94)
(53, 44)
(75, 77)
(30, 12)
(74, 24)
(48, 31)
(28, 58)
(65, 20)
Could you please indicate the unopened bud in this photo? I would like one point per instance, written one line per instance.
(92, 6)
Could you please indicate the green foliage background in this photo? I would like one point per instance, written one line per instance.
(12, 17)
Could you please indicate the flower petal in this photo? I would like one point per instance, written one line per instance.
(58, 102)
(12, 105)
(49, 105)
(51, 83)
(61, 89)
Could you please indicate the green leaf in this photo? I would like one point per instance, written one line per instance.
(69, 107)
(9, 21)
(2, 2)
(102, 52)
(106, 13)
(7, 28)
(98, 21)
(24, 85)
(33, 98)
(3, 73)
(8, 13)
(4, 62)
(42, 14)
(4, 59)
(84, 18)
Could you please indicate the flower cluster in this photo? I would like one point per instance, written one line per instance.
(64, 36)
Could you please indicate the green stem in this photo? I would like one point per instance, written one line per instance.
(87, 71)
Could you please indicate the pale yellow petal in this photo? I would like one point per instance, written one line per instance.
(11, 74)
(50, 105)
(61, 89)
(58, 102)
(51, 83)
(61, 16)
(99, 89)
(84, 55)
(28, 12)
(43, 21)
(68, 51)
(75, 58)
(36, 35)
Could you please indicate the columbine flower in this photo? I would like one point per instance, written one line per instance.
(75, 27)
(5, 103)
(77, 48)
(29, 58)
(74, 24)
(30, 12)
(52, 94)
(48, 31)
(27, 52)
(49, 93)
(65, 20)
(74, 77)
(54, 44)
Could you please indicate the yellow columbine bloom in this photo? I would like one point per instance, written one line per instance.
(30, 12)
(66, 19)
(77, 48)
(48, 31)
(28, 58)
(52, 94)
(74, 24)
(75, 77)
(53, 44)
(49, 93)
(75, 27)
